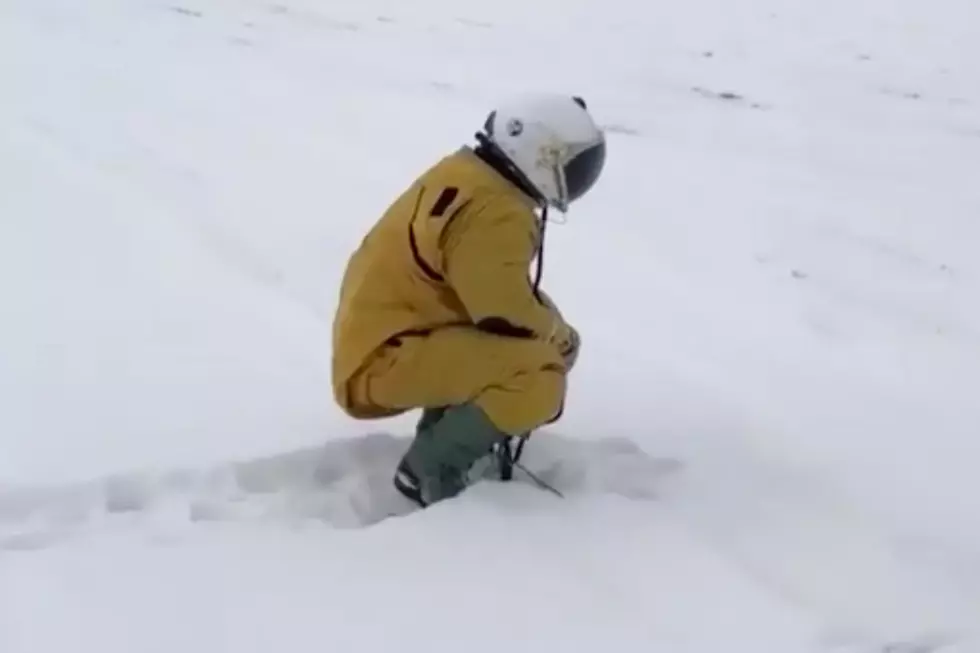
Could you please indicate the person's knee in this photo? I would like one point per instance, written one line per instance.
(545, 397)
(531, 400)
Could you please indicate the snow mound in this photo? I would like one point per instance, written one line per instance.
(345, 483)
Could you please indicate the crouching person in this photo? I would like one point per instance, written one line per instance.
(437, 308)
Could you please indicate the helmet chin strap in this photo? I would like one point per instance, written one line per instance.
(561, 218)
(561, 186)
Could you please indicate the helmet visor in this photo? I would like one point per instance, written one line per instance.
(583, 168)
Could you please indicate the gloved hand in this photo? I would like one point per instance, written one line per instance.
(563, 335)
(569, 349)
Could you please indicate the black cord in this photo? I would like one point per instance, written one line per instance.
(507, 460)
(539, 272)
(537, 481)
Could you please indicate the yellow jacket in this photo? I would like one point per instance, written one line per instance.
(454, 248)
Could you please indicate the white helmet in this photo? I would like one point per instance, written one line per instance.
(553, 142)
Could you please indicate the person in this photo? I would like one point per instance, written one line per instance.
(438, 310)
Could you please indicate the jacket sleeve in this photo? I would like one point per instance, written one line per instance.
(487, 260)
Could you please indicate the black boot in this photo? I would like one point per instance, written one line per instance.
(443, 452)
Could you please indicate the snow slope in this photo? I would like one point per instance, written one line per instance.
(772, 430)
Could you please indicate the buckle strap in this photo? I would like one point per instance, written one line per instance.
(508, 453)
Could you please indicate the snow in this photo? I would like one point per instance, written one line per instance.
(771, 434)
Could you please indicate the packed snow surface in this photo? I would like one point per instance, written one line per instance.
(772, 434)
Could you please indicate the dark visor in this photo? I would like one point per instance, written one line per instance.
(584, 169)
